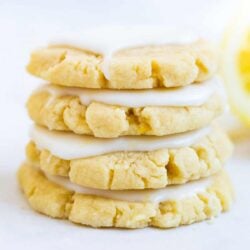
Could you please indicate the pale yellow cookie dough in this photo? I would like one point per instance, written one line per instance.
(139, 170)
(66, 113)
(134, 68)
(53, 200)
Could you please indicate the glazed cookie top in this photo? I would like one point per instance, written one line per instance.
(71, 146)
(125, 58)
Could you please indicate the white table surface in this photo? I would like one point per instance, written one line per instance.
(23, 24)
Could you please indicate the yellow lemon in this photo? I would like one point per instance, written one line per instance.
(236, 63)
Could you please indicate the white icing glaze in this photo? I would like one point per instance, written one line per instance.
(173, 192)
(107, 41)
(191, 95)
(70, 146)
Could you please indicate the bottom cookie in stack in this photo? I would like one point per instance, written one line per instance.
(165, 208)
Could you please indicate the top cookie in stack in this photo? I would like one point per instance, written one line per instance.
(129, 115)
(135, 68)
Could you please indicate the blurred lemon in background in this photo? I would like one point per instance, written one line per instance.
(236, 63)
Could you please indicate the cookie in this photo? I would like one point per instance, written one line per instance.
(139, 170)
(67, 113)
(56, 201)
(133, 68)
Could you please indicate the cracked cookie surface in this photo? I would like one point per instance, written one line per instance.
(67, 113)
(139, 170)
(134, 68)
(53, 200)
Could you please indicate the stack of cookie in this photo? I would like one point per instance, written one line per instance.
(127, 138)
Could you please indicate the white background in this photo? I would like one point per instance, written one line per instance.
(25, 25)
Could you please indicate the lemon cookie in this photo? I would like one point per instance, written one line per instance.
(170, 207)
(117, 166)
(111, 113)
(129, 68)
